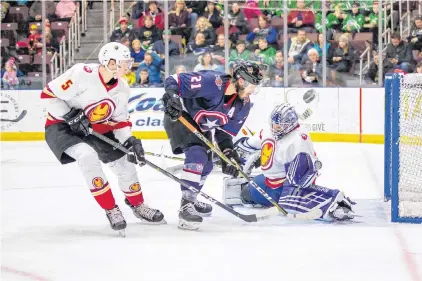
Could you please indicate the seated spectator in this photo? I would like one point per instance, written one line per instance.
(36, 10)
(252, 10)
(149, 33)
(125, 41)
(152, 63)
(415, 39)
(65, 9)
(9, 77)
(353, 22)
(199, 46)
(333, 21)
(129, 77)
(4, 11)
(276, 71)
(206, 63)
(156, 14)
(51, 43)
(213, 14)
(312, 69)
(240, 53)
(218, 50)
(343, 57)
(319, 46)
(300, 18)
(372, 77)
(371, 24)
(159, 46)
(137, 53)
(399, 54)
(237, 21)
(271, 8)
(138, 8)
(419, 67)
(203, 25)
(265, 54)
(143, 81)
(34, 38)
(180, 69)
(123, 31)
(178, 20)
(264, 30)
(298, 47)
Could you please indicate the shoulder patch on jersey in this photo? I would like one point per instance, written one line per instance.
(304, 136)
(267, 154)
(218, 81)
(87, 69)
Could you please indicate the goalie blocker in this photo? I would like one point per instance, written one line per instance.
(290, 168)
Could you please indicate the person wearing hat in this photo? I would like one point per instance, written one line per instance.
(156, 13)
(10, 75)
(353, 22)
(34, 39)
(124, 30)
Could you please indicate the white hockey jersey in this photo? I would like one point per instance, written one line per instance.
(82, 87)
(276, 153)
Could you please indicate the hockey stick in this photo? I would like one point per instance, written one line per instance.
(17, 119)
(165, 156)
(247, 218)
(311, 215)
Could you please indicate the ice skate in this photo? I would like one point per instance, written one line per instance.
(342, 213)
(188, 216)
(147, 214)
(116, 219)
(202, 209)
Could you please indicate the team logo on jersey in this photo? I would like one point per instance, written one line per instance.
(267, 154)
(97, 182)
(100, 111)
(87, 69)
(135, 187)
(218, 81)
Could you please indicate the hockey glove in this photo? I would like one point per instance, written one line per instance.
(137, 153)
(230, 169)
(78, 122)
(172, 104)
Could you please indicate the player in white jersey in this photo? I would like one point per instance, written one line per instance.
(93, 96)
(289, 169)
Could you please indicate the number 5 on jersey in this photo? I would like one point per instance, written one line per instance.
(66, 85)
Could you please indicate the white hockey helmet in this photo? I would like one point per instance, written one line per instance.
(114, 51)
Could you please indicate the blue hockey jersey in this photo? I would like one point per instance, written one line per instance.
(203, 98)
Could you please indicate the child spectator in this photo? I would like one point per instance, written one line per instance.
(149, 33)
(199, 46)
(213, 14)
(276, 71)
(264, 30)
(300, 18)
(65, 9)
(123, 31)
(137, 53)
(10, 78)
(205, 63)
(240, 53)
(125, 41)
(152, 63)
(265, 54)
(34, 40)
(203, 25)
(143, 78)
(130, 77)
(156, 14)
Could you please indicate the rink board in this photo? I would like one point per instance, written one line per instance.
(339, 114)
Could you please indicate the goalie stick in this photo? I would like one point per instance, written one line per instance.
(311, 215)
(247, 218)
(17, 119)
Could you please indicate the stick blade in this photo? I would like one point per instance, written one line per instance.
(311, 215)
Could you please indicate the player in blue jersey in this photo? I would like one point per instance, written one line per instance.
(209, 100)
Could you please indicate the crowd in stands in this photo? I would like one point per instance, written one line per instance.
(256, 32)
(22, 41)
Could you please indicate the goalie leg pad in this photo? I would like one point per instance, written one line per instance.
(333, 204)
(232, 189)
(257, 198)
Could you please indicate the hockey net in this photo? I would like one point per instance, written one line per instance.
(406, 148)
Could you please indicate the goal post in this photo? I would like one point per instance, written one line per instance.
(403, 146)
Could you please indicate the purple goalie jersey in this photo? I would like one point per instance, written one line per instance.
(204, 99)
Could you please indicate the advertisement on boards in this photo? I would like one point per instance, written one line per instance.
(145, 109)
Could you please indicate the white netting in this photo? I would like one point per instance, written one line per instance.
(410, 147)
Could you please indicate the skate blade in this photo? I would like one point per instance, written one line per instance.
(204, 215)
(144, 221)
(185, 225)
(121, 233)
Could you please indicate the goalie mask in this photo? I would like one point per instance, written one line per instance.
(283, 120)
(117, 52)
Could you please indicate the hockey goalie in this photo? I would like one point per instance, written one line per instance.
(289, 168)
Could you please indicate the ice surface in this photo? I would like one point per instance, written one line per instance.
(52, 228)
